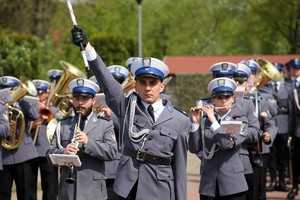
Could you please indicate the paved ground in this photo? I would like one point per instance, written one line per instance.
(193, 170)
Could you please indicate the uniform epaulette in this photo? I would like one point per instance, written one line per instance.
(181, 111)
(105, 118)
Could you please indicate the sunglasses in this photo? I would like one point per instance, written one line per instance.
(223, 97)
(240, 80)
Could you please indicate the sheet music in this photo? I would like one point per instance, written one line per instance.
(100, 99)
(5, 95)
(231, 127)
(239, 93)
(34, 101)
(65, 160)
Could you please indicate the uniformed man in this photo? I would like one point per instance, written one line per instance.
(4, 121)
(295, 65)
(120, 73)
(93, 141)
(54, 75)
(111, 166)
(154, 133)
(48, 172)
(17, 162)
(282, 92)
(222, 173)
(129, 62)
(268, 128)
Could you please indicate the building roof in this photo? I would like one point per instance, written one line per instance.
(201, 64)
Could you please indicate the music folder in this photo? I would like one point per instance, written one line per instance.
(231, 127)
(65, 160)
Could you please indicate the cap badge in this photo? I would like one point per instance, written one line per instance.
(247, 62)
(38, 83)
(4, 79)
(224, 66)
(146, 62)
(221, 82)
(117, 70)
(80, 82)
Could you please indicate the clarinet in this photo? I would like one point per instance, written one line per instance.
(71, 176)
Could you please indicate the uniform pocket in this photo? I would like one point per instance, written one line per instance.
(238, 168)
(170, 136)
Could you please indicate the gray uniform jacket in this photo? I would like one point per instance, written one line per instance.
(26, 151)
(101, 146)
(111, 166)
(284, 115)
(42, 144)
(4, 127)
(225, 167)
(167, 137)
(296, 116)
(253, 133)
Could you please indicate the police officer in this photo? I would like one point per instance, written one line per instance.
(4, 122)
(54, 76)
(282, 92)
(120, 74)
(268, 128)
(222, 173)
(17, 163)
(129, 62)
(48, 172)
(295, 65)
(154, 133)
(91, 138)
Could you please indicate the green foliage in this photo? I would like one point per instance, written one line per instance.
(189, 88)
(19, 55)
(114, 49)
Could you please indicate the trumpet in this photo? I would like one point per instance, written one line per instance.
(194, 109)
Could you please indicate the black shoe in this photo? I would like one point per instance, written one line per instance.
(282, 187)
(271, 187)
(292, 193)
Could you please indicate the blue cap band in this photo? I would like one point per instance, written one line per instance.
(241, 72)
(83, 89)
(118, 74)
(218, 72)
(294, 63)
(222, 89)
(42, 88)
(54, 77)
(149, 71)
(11, 84)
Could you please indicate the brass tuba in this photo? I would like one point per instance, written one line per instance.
(59, 98)
(267, 71)
(16, 116)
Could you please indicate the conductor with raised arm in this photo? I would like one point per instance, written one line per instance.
(154, 143)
